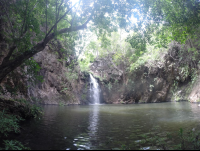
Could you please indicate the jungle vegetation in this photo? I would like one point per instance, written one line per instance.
(27, 26)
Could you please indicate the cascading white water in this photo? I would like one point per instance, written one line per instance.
(94, 88)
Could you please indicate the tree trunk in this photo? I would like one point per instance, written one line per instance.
(8, 66)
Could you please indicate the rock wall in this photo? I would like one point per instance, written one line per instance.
(14, 85)
(103, 68)
(61, 85)
(109, 78)
(174, 77)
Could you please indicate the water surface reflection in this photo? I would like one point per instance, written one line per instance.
(106, 126)
(89, 140)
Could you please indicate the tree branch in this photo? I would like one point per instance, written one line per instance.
(59, 21)
(8, 18)
(46, 17)
(24, 19)
(9, 54)
(74, 16)
(67, 20)
(59, 8)
(10, 65)
(40, 46)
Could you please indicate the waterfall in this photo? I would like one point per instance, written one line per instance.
(94, 90)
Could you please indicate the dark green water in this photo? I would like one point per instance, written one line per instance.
(106, 126)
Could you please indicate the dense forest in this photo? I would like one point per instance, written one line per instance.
(139, 51)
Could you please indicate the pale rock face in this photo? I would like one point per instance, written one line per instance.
(52, 89)
(56, 88)
(195, 91)
(146, 84)
(150, 83)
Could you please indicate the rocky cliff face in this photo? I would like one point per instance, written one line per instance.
(61, 85)
(103, 68)
(109, 77)
(14, 85)
(174, 77)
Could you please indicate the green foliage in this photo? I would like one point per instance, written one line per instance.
(61, 103)
(109, 86)
(99, 77)
(176, 94)
(64, 89)
(36, 100)
(194, 75)
(34, 110)
(83, 96)
(184, 71)
(71, 76)
(188, 140)
(14, 145)
(181, 140)
(32, 70)
(124, 147)
(85, 61)
(181, 21)
(8, 123)
(150, 56)
(30, 110)
(156, 26)
(137, 42)
(12, 90)
(112, 45)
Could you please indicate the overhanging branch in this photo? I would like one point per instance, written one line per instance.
(59, 21)
(39, 47)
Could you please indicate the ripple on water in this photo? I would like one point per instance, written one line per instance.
(81, 127)
(149, 148)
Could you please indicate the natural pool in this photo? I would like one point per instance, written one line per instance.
(107, 126)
